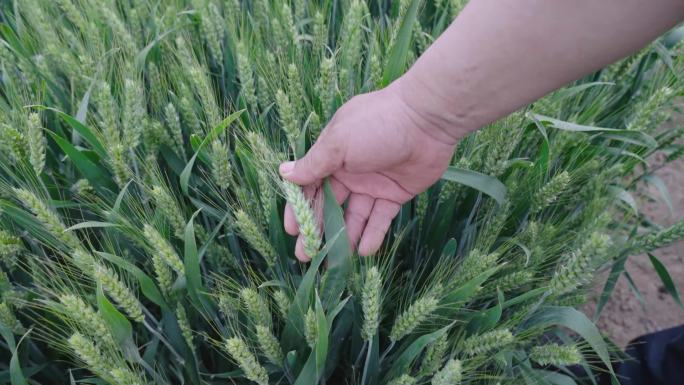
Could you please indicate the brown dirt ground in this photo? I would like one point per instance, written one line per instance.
(625, 317)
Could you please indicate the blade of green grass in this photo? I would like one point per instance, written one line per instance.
(665, 277)
(481, 182)
(85, 131)
(398, 54)
(95, 174)
(628, 136)
(340, 254)
(16, 372)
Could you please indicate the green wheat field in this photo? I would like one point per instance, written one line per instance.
(141, 234)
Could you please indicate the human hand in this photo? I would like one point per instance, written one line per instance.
(378, 152)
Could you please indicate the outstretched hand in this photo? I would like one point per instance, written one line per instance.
(378, 153)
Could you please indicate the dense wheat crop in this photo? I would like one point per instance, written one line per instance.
(141, 212)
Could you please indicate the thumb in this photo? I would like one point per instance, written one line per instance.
(324, 158)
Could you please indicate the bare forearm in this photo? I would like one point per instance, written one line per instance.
(498, 55)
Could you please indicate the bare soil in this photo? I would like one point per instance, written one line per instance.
(625, 317)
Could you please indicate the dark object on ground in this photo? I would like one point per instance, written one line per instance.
(657, 359)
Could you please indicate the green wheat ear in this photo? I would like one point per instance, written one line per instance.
(487, 342)
(327, 86)
(133, 113)
(434, 355)
(121, 294)
(16, 143)
(125, 376)
(163, 275)
(264, 93)
(47, 217)
(83, 314)
(475, 263)
(411, 318)
(269, 345)
(169, 207)
(310, 328)
(644, 116)
(371, 301)
(450, 374)
(184, 325)
(404, 379)
(165, 251)
(658, 239)
(119, 163)
(578, 269)
(550, 192)
(220, 165)
(37, 143)
(288, 117)
(10, 247)
(513, 280)
(283, 302)
(228, 305)
(320, 32)
(294, 84)
(257, 308)
(251, 232)
(82, 188)
(172, 118)
(237, 349)
(557, 355)
(308, 226)
(9, 319)
(89, 353)
(211, 27)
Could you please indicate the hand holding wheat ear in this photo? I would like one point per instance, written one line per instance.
(378, 153)
(382, 148)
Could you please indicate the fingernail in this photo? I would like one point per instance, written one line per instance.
(286, 168)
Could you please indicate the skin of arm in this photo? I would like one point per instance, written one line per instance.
(498, 56)
(382, 148)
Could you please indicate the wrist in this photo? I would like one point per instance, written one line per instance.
(439, 117)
